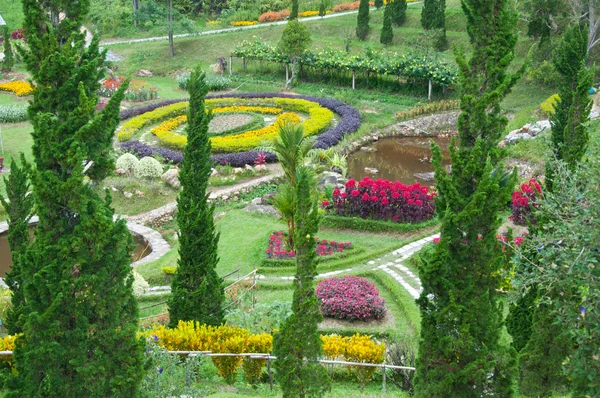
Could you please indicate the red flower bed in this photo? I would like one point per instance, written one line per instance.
(351, 298)
(383, 200)
(278, 248)
(524, 201)
(272, 16)
(110, 86)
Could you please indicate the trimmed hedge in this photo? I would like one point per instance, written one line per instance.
(361, 224)
(13, 113)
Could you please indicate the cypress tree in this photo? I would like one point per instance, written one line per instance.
(362, 26)
(9, 59)
(80, 319)
(378, 4)
(460, 353)
(197, 291)
(294, 12)
(428, 14)
(387, 33)
(399, 12)
(433, 16)
(520, 319)
(569, 133)
(19, 207)
(322, 11)
(298, 344)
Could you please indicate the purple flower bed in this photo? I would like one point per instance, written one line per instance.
(349, 123)
(350, 298)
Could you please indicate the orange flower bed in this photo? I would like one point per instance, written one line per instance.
(273, 16)
(349, 6)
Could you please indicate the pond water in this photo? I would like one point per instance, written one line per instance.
(397, 159)
(142, 249)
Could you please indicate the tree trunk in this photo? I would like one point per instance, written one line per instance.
(171, 45)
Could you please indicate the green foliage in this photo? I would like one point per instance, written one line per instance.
(387, 33)
(460, 349)
(9, 59)
(298, 344)
(80, 319)
(295, 39)
(294, 11)
(361, 224)
(569, 131)
(520, 319)
(197, 290)
(433, 17)
(19, 208)
(322, 10)
(362, 22)
(13, 113)
(560, 257)
(542, 17)
(378, 4)
(399, 12)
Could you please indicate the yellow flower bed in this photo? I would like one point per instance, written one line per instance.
(319, 119)
(308, 13)
(243, 23)
(20, 88)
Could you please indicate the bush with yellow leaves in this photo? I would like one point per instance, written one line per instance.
(253, 367)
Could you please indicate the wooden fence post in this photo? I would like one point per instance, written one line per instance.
(353, 80)
(384, 386)
(430, 90)
(230, 65)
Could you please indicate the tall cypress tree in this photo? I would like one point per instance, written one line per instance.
(378, 4)
(387, 33)
(428, 14)
(399, 12)
(433, 16)
(19, 206)
(294, 12)
(9, 59)
(569, 133)
(459, 351)
(298, 344)
(197, 291)
(362, 22)
(80, 319)
(322, 11)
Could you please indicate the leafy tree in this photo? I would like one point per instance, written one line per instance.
(197, 291)
(19, 207)
(399, 12)
(362, 26)
(298, 344)
(294, 12)
(295, 39)
(542, 16)
(387, 33)
(569, 133)
(80, 318)
(433, 17)
(9, 60)
(460, 352)
(322, 11)
(378, 4)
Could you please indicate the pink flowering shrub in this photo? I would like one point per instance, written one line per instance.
(278, 248)
(350, 298)
(383, 200)
(524, 201)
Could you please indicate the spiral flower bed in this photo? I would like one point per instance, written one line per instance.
(349, 122)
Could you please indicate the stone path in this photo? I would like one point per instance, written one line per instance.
(234, 29)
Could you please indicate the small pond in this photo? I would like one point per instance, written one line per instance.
(142, 249)
(397, 159)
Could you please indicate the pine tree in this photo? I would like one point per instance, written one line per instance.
(399, 12)
(460, 353)
(387, 33)
(294, 12)
(378, 4)
(80, 319)
(362, 27)
(429, 14)
(19, 207)
(569, 133)
(322, 11)
(298, 344)
(9, 59)
(433, 17)
(197, 291)
(520, 319)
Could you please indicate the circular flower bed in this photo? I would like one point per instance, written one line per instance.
(350, 298)
(349, 122)
(278, 247)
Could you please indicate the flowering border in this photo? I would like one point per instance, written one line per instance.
(349, 123)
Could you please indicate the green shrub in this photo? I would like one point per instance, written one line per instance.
(341, 222)
(13, 113)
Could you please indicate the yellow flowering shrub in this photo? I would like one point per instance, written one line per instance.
(7, 343)
(243, 23)
(549, 105)
(227, 367)
(334, 346)
(20, 88)
(253, 367)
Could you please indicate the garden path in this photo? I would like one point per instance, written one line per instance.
(228, 30)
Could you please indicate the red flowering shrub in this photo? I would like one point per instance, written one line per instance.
(110, 86)
(351, 298)
(261, 159)
(17, 34)
(384, 200)
(524, 201)
(279, 249)
(272, 16)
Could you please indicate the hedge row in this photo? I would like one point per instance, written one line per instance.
(361, 224)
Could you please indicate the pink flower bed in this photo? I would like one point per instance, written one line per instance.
(278, 248)
(350, 298)
(524, 201)
(383, 200)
